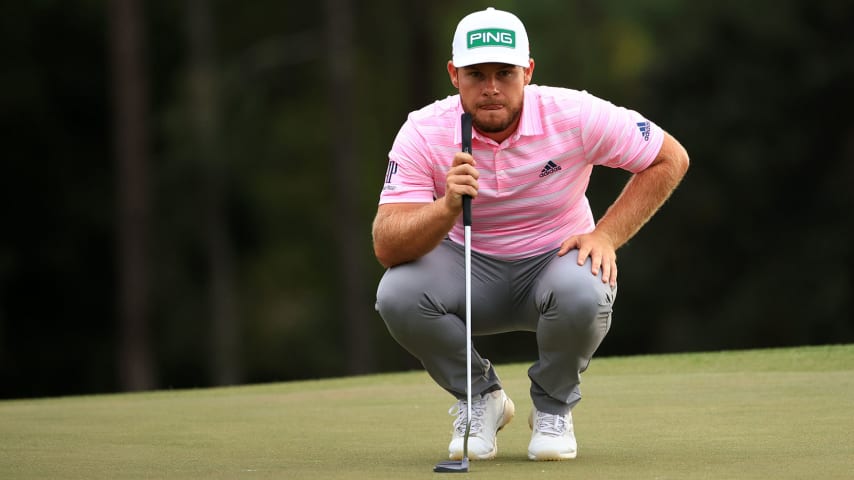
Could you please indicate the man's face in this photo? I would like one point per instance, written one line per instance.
(493, 94)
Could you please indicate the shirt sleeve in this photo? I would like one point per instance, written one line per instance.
(617, 137)
(409, 177)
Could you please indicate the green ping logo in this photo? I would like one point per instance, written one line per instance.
(491, 37)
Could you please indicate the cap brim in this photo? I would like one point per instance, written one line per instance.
(486, 57)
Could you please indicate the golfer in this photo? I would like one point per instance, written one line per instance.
(539, 261)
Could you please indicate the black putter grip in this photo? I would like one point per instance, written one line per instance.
(465, 122)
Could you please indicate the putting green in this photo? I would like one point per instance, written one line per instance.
(779, 413)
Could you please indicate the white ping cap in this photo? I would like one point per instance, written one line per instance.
(490, 36)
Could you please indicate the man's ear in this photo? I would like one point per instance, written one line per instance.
(453, 73)
(529, 72)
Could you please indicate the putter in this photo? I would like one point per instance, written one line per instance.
(462, 466)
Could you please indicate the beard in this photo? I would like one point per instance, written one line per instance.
(492, 123)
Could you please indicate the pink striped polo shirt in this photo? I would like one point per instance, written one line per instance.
(531, 194)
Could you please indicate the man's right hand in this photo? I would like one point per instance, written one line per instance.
(460, 180)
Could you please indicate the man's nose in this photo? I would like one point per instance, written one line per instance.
(491, 86)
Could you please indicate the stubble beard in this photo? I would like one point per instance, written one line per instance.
(497, 126)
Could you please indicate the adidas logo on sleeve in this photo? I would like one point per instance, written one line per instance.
(644, 129)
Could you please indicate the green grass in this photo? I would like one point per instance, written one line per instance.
(763, 414)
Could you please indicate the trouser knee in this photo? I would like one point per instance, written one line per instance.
(414, 312)
(395, 308)
(582, 306)
(574, 301)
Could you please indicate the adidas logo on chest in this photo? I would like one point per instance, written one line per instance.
(549, 169)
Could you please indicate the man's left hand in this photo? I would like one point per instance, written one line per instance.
(601, 251)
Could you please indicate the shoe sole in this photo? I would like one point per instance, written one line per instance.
(509, 413)
(551, 456)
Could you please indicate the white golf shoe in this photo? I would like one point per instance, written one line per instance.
(489, 413)
(552, 437)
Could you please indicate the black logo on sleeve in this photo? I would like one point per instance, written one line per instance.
(390, 171)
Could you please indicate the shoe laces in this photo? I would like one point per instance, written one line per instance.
(478, 410)
(551, 424)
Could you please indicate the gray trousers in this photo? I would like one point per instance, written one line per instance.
(423, 306)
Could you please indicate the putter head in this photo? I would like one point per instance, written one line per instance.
(453, 466)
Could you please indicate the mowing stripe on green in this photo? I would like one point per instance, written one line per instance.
(778, 413)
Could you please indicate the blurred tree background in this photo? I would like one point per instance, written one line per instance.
(188, 186)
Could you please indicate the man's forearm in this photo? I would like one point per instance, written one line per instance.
(644, 194)
(405, 232)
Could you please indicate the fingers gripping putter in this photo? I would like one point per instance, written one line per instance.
(461, 466)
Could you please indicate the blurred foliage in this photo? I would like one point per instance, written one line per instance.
(753, 250)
